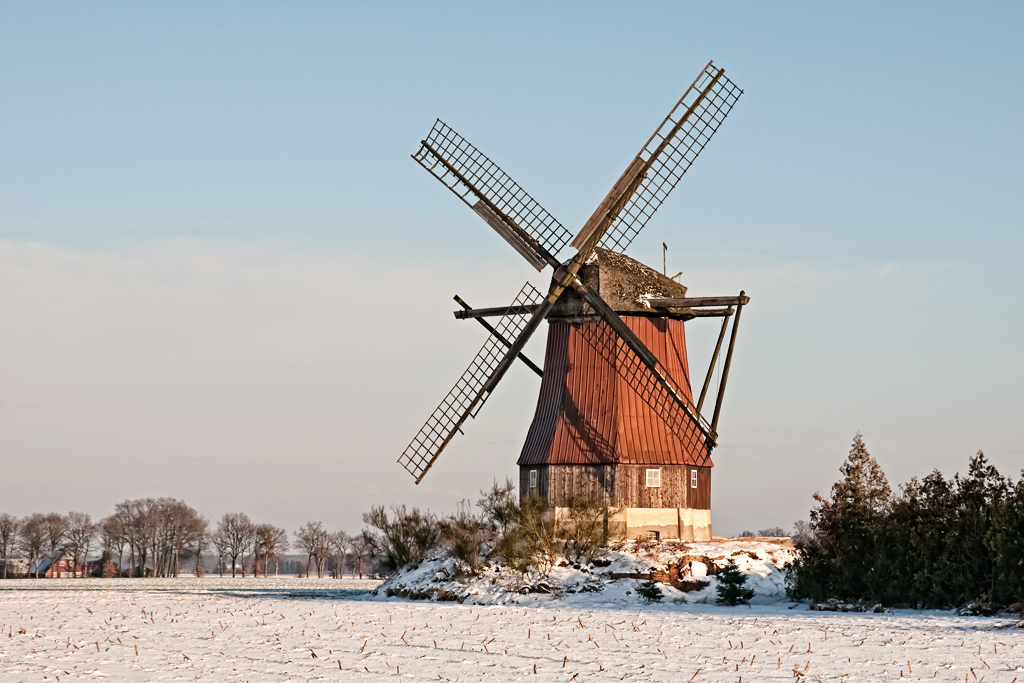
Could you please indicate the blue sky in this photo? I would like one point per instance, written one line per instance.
(205, 208)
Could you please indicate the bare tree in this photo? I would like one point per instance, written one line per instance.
(281, 545)
(159, 532)
(362, 550)
(55, 527)
(129, 513)
(315, 542)
(270, 541)
(80, 535)
(182, 527)
(200, 542)
(113, 536)
(32, 540)
(340, 544)
(236, 534)
(219, 542)
(8, 537)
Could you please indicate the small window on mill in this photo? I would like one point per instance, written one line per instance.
(533, 479)
(653, 479)
(693, 479)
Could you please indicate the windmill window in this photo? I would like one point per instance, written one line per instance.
(653, 479)
(533, 479)
(693, 479)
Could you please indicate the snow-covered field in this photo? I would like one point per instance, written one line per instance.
(306, 630)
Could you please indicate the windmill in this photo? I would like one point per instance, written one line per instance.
(624, 379)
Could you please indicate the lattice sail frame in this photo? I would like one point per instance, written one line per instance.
(714, 96)
(677, 412)
(474, 178)
(467, 394)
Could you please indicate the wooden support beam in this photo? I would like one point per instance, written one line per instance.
(495, 312)
(711, 367)
(728, 364)
(698, 301)
(710, 312)
(490, 328)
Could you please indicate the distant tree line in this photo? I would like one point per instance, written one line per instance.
(937, 543)
(160, 537)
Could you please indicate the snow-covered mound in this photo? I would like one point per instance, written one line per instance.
(685, 572)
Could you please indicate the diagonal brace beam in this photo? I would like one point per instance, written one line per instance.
(490, 328)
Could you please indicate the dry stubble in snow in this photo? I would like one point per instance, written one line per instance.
(280, 630)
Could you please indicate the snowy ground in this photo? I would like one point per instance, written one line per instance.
(309, 630)
(763, 562)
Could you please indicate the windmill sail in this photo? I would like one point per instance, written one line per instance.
(668, 155)
(489, 191)
(468, 393)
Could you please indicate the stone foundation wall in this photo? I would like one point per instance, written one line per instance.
(687, 524)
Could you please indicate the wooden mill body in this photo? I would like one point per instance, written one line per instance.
(593, 435)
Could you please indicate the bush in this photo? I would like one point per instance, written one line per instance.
(500, 506)
(773, 532)
(585, 528)
(530, 541)
(464, 533)
(732, 586)
(400, 539)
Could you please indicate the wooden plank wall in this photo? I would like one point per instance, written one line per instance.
(588, 480)
(542, 481)
(631, 487)
(620, 485)
(700, 497)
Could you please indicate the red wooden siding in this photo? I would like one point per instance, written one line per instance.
(588, 415)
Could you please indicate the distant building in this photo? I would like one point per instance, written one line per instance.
(65, 566)
(17, 566)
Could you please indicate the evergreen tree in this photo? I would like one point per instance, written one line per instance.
(732, 586)
(940, 543)
(966, 565)
(1006, 542)
(840, 556)
(650, 591)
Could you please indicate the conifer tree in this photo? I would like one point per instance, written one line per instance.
(650, 591)
(732, 586)
(1006, 541)
(839, 557)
